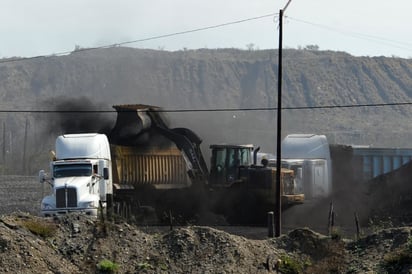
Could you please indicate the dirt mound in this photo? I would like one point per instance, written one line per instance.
(383, 202)
(80, 244)
(77, 244)
(391, 196)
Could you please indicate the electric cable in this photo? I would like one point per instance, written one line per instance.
(373, 38)
(215, 109)
(138, 40)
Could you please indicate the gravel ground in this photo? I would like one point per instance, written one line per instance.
(21, 193)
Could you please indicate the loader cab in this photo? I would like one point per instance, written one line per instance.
(225, 163)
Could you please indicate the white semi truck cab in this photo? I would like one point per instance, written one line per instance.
(309, 156)
(80, 175)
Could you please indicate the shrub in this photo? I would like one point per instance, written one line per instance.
(336, 234)
(290, 266)
(41, 228)
(394, 261)
(145, 265)
(107, 266)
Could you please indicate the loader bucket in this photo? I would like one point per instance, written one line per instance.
(134, 125)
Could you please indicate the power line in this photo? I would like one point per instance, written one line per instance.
(216, 109)
(397, 44)
(373, 38)
(141, 40)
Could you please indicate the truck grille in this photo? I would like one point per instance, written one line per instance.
(66, 197)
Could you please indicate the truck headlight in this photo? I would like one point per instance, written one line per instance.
(46, 206)
(88, 204)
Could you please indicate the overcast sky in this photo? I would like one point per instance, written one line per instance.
(361, 28)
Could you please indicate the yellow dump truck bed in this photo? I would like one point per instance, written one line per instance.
(161, 168)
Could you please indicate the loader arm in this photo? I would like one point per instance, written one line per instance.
(197, 168)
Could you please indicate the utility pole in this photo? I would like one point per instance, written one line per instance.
(279, 129)
(24, 171)
(4, 144)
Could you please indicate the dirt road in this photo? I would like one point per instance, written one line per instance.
(20, 193)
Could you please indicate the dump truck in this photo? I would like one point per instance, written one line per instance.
(148, 168)
(322, 168)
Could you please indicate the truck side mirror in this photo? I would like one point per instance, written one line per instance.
(106, 173)
(42, 176)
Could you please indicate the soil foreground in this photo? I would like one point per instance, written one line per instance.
(80, 244)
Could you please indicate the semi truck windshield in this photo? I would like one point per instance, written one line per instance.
(60, 171)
